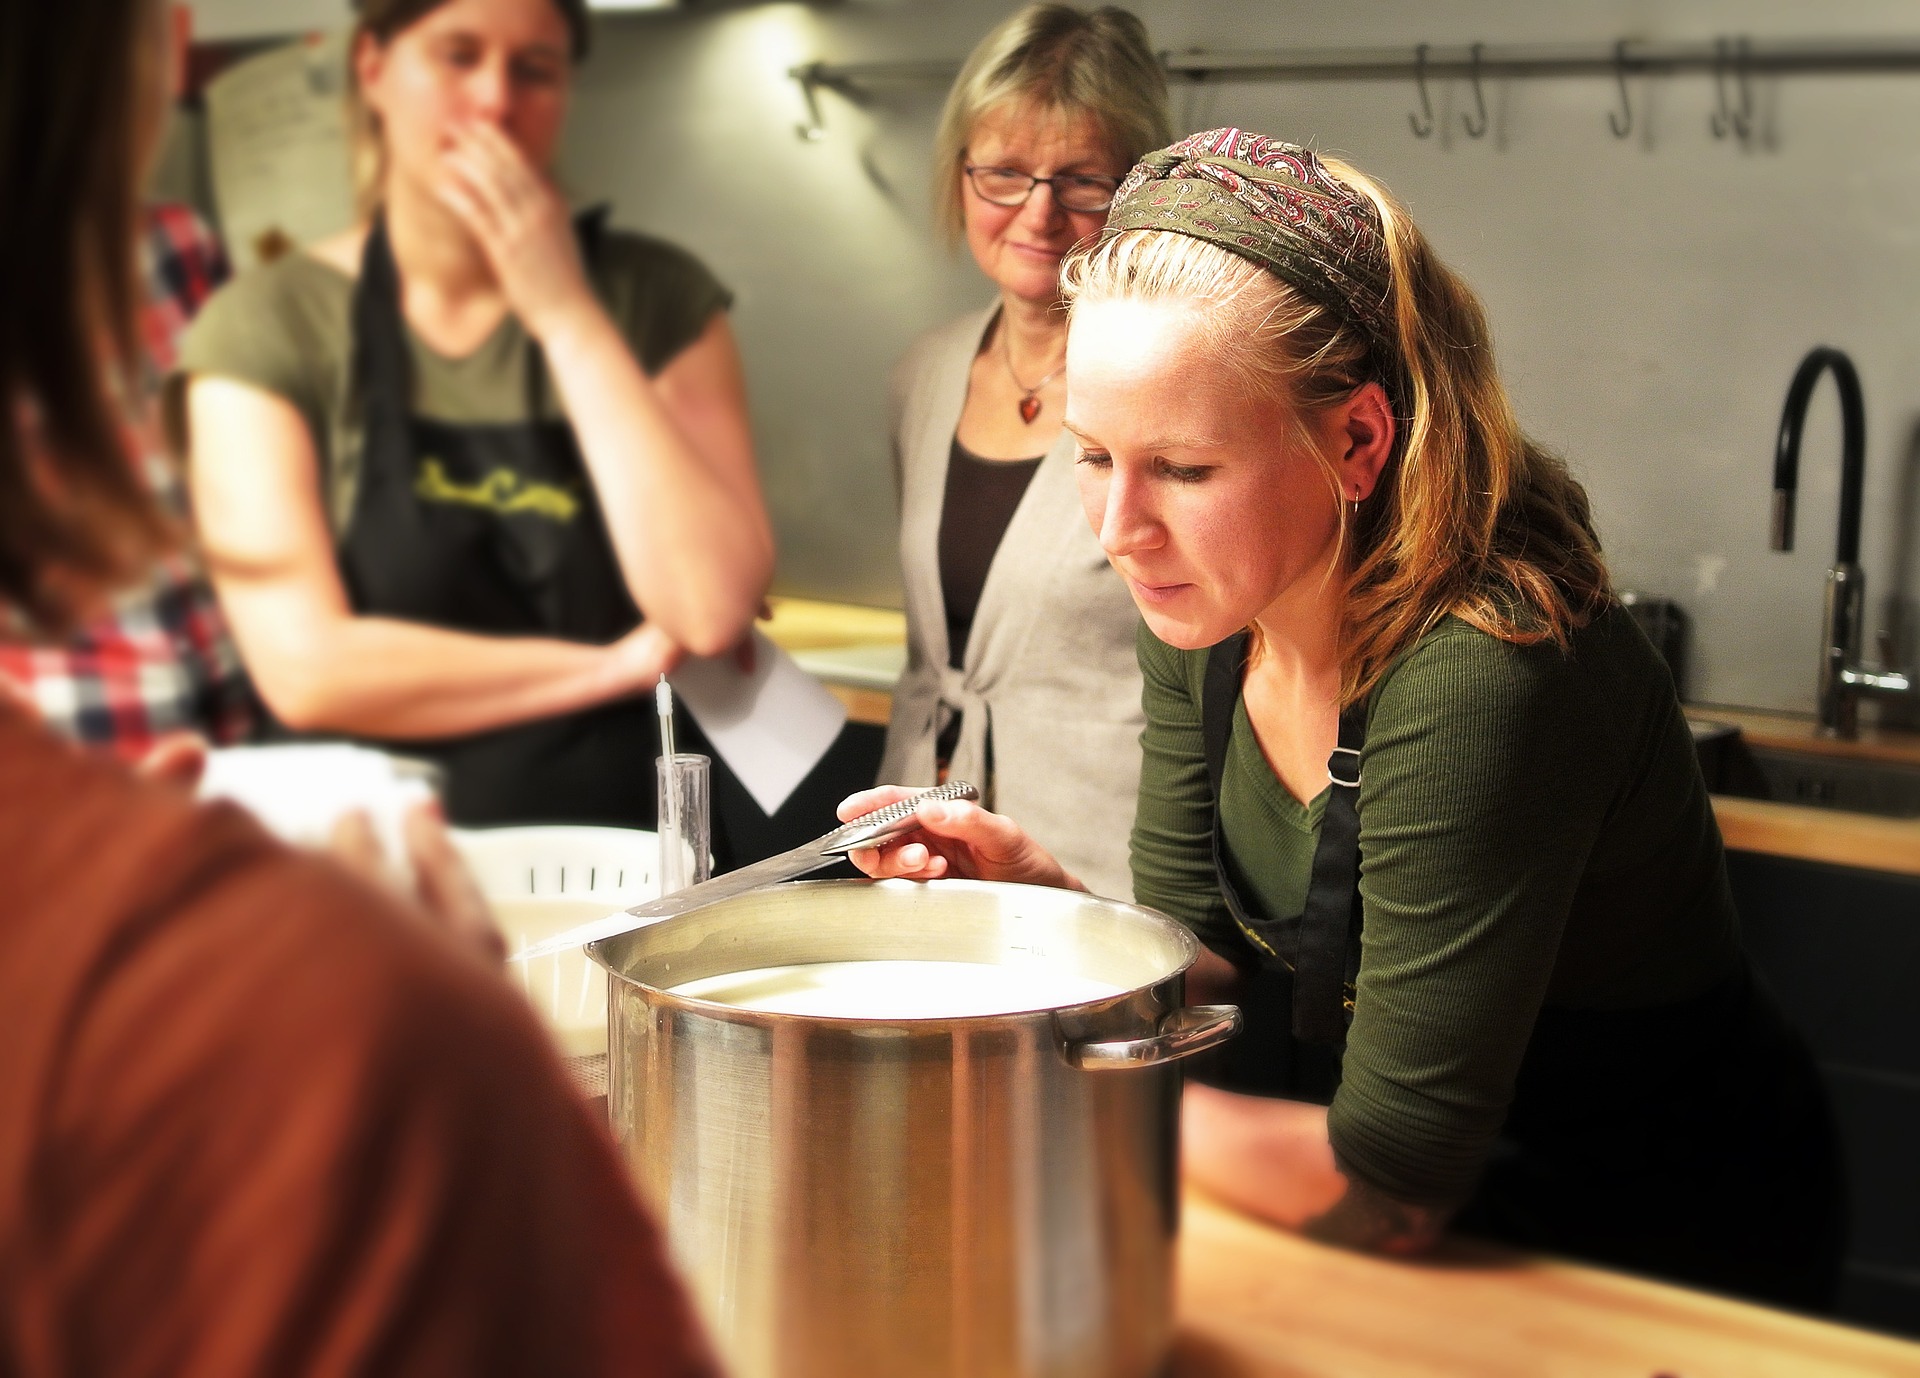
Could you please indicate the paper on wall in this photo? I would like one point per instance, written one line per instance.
(770, 726)
(278, 149)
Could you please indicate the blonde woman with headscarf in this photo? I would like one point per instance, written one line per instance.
(1411, 771)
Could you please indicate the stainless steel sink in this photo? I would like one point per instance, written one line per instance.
(1888, 788)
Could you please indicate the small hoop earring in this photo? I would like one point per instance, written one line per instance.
(1353, 508)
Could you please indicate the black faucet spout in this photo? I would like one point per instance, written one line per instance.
(1853, 450)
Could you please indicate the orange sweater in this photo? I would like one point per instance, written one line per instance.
(255, 1121)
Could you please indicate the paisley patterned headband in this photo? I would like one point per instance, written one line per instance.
(1273, 203)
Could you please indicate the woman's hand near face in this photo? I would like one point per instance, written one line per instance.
(670, 455)
(522, 224)
(955, 839)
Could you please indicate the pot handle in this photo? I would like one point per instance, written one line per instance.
(1188, 1030)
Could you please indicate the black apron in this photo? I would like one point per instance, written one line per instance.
(1692, 1141)
(1301, 986)
(494, 529)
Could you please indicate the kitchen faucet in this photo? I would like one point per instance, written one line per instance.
(1842, 680)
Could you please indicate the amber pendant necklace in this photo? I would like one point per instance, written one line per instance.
(1030, 403)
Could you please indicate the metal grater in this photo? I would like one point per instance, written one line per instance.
(868, 830)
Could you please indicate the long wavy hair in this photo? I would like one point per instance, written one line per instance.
(1471, 517)
(77, 78)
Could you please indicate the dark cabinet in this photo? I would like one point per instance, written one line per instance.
(1841, 950)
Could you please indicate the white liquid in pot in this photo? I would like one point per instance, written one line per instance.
(898, 990)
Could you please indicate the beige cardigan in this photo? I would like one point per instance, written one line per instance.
(1050, 689)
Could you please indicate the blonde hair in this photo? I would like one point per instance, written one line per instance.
(380, 22)
(1096, 63)
(1470, 517)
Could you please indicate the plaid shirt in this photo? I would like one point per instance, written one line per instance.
(161, 659)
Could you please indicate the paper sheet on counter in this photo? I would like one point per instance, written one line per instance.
(771, 726)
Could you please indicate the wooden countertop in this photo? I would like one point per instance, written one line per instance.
(1827, 835)
(1833, 836)
(1257, 1302)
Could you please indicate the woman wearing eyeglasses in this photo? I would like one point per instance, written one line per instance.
(1021, 673)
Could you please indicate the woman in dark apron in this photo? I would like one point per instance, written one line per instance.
(472, 476)
(546, 569)
(1409, 769)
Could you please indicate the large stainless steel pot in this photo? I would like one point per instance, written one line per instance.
(988, 1197)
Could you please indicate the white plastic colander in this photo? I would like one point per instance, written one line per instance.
(543, 880)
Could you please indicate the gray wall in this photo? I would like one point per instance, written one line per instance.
(1650, 297)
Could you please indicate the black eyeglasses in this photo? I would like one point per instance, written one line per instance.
(1005, 186)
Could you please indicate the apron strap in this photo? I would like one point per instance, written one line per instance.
(1323, 951)
(1330, 925)
(381, 372)
(1226, 663)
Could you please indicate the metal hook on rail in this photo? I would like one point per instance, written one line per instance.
(1731, 55)
(1479, 101)
(1426, 102)
(813, 129)
(1621, 123)
(1720, 120)
(1743, 81)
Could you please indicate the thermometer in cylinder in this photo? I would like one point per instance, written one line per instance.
(671, 871)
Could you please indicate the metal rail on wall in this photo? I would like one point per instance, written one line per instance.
(1733, 62)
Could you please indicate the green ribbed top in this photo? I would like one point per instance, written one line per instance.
(1533, 829)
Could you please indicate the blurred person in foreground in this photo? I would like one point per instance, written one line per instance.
(1412, 772)
(155, 675)
(1020, 667)
(256, 1117)
(445, 462)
